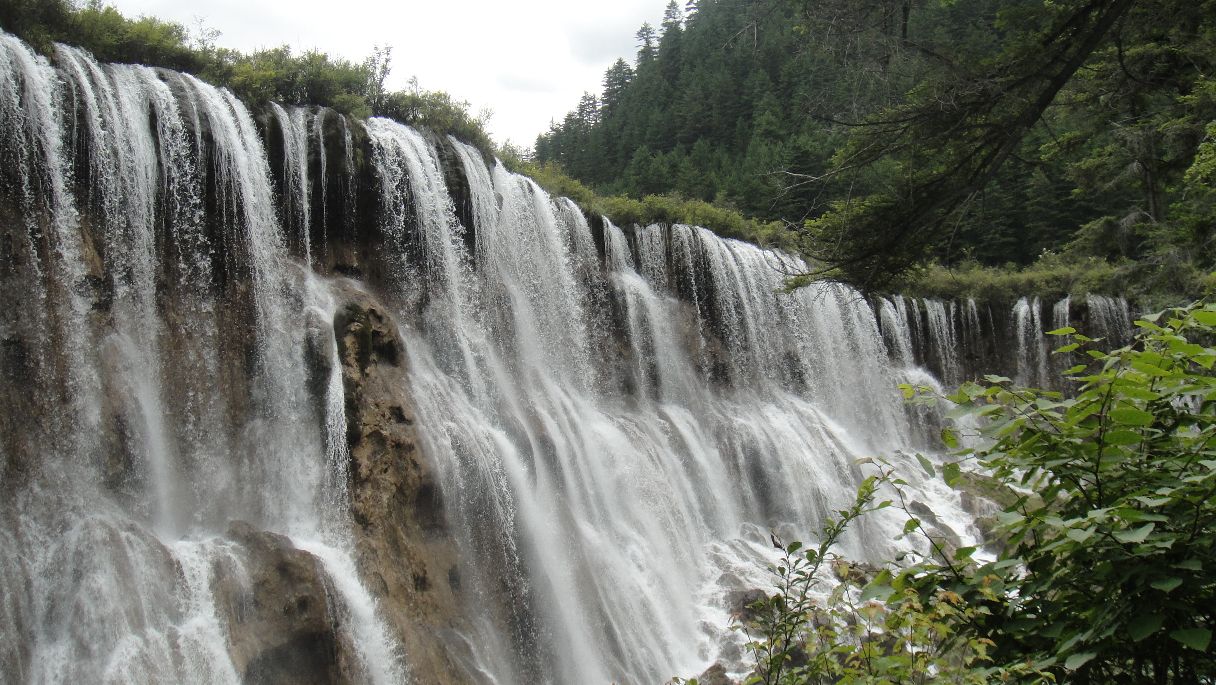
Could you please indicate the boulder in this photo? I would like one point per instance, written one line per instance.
(715, 675)
(740, 603)
(857, 572)
(281, 625)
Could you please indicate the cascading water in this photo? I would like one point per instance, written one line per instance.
(1031, 346)
(171, 428)
(894, 319)
(944, 338)
(1110, 318)
(297, 211)
(609, 420)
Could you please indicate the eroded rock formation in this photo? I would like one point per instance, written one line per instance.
(282, 624)
(405, 551)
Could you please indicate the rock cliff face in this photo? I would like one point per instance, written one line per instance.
(406, 553)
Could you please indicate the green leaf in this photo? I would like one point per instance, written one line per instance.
(1078, 660)
(1079, 534)
(1131, 416)
(926, 465)
(997, 379)
(876, 591)
(1009, 518)
(1150, 370)
(1190, 565)
(1205, 317)
(951, 473)
(1195, 638)
(949, 438)
(1067, 330)
(1065, 349)
(911, 525)
(1143, 626)
(1135, 535)
(1123, 437)
(1167, 584)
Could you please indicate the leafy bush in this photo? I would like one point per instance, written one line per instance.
(1110, 574)
(1107, 572)
(862, 635)
(1052, 276)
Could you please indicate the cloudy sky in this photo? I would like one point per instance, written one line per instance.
(527, 61)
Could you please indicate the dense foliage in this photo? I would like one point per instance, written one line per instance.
(278, 74)
(1106, 571)
(892, 132)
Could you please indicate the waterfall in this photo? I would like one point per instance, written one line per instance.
(895, 330)
(1110, 319)
(543, 455)
(169, 319)
(944, 338)
(616, 249)
(297, 205)
(1032, 345)
(1061, 317)
(289, 390)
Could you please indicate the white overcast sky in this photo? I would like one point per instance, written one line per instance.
(528, 61)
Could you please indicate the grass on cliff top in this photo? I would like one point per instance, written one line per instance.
(668, 209)
(274, 74)
(1162, 281)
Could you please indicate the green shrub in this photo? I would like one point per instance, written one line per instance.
(1107, 572)
(1110, 572)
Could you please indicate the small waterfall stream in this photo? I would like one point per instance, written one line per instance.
(614, 418)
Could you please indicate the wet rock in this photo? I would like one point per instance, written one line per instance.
(857, 572)
(281, 625)
(715, 675)
(983, 496)
(405, 552)
(740, 603)
(943, 537)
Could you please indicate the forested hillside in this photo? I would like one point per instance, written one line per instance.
(887, 133)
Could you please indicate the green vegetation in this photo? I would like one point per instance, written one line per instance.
(898, 133)
(942, 148)
(310, 78)
(670, 208)
(1153, 282)
(1107, 566)
(870, 634)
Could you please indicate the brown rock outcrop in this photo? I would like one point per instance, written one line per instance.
(281, 624)
(406, 554)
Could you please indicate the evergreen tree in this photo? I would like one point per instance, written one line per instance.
(646, 43)
(907, 130)
(616, 80)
